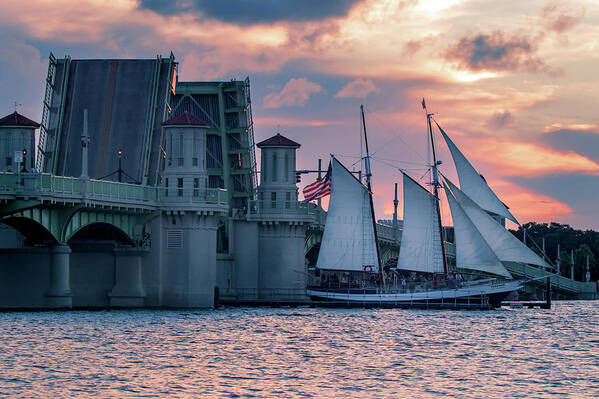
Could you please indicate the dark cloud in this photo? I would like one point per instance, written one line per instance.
(577, 190)
(560, 19)
(584, 142)
(247, 12)
(500, 119)
(496, 52)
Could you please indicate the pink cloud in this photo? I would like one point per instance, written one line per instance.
(513, 157)
(287, 121)
(295, 92)
(358, 88)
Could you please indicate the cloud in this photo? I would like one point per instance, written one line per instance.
(513, 157)
(291, 121)
(560, 19)
(577, 190)
(358, 88)
(295, 92)
(582, 142)
(250, 12)
(500, 119)
(526, 204)
(22, 70)
(496, 52)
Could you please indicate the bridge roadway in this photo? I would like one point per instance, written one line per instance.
(47, 208)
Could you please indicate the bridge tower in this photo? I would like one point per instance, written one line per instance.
(186, 256)
(17, 135)
(282, 221)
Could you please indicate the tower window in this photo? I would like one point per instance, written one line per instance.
(286, 170)
(196, 187)
(274, 167)
(273, 198)
(180, 186)
(287, 200)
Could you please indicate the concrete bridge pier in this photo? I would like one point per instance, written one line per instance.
(128, 288)
(59, 295)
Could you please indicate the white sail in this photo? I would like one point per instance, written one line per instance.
(348, 242)
(420, 249)
(474, 185)
(505, 245)
(472, 251)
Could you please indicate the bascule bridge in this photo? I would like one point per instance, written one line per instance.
(142, 191)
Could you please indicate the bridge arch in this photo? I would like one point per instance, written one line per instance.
(33, 231)
(100, 231)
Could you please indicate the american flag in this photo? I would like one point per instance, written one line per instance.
(320, 188)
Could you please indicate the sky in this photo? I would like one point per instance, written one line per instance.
(514, 83)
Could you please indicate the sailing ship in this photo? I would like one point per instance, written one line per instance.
(349, 266)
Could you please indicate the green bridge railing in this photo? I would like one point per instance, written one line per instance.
(45, 183)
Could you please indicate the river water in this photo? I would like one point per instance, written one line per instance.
(302, 352)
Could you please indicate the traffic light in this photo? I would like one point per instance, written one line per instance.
(298, 177)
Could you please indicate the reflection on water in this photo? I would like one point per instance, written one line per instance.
(302, 352)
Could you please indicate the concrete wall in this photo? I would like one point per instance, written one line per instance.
(247, 255)
(189, 266)
(153, 263)
(92, 274)
(282, 261)
(24, 277)
(10, 238)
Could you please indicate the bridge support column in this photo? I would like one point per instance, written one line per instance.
(59, 295)
(128, 290)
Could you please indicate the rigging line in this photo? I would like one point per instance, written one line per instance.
(397, 160)
(397, 136)
(425, 173)
(395, 166)
(347, 156)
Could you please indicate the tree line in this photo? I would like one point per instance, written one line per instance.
(582, 242)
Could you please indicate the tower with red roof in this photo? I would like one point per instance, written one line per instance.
(17, 143)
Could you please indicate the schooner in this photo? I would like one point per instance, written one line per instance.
(349, 266)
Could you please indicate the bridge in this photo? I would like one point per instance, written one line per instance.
(104, 222)
(53, 209)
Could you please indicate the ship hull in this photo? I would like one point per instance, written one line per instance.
(474, 296)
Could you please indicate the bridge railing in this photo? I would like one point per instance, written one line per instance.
(39, 182)
(194, 196)
(558, 282)
(45, 183)
(387, 232)
(257, 207)
(121, 191)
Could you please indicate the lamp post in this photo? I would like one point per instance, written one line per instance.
(119, 152)
(84, 148)
(24, 170)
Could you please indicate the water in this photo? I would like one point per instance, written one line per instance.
(302, 353)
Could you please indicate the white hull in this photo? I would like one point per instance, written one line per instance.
(483, 292)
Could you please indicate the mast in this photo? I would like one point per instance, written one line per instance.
(436, 183)
(368, 185)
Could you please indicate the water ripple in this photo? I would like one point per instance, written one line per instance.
(302, 352)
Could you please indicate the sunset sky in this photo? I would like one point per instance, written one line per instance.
(514, 83)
